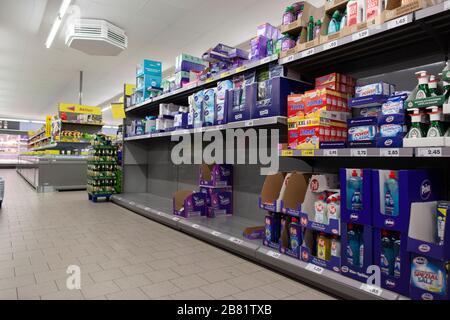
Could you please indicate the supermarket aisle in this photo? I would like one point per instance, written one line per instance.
(121, 255)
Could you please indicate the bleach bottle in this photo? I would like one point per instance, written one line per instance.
(354, 192)
(391, 195)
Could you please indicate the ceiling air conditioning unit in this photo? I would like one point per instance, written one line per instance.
(96, 37)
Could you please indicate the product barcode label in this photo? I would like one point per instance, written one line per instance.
(308, 52)
(249, 123)
(361, 34)
(330, 45)
(390, 152)
(216, 233)
(430, 152)
(274, 254)
(313, 268)
(371, 289)
(358, 152)
(235, 240)
(330, 152)
(397, 22)
(195, 226)
(176, 219)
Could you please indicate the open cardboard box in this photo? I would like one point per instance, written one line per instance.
(270, 193)
(394, 8)
(330, 7)
(188, 203)
(296, 186)
(295, 27)
(290, 52)
(303, 44)
(216, 175)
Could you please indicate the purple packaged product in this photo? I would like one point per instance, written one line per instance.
(218, 175)
(333, 264)
(272, 231)
(398, 279)
(287, 44)
(429, 278)
(221, 203)
(256, 234)
(258, 48)
(208, 191)
(332, 227)
(412, 185)
(194, 206)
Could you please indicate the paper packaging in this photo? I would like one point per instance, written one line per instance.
(327, 99)
(296, 105)
(218, 175)
(187, 203)
(335, 78)
(198, 109)
(379, 88)
(254, 233)
(209, 191)
(429, 278)
(209, 107)
(221, 203)
(270, 193)
(296, 186)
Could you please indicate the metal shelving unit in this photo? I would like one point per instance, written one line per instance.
(150, 178)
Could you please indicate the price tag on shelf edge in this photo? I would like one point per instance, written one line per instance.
(330, 152)
(430, 152)
(176, 219)
(308, 153)
(360, 35)
(273, 254)
(290, 58)
(397, 22)
(313, 268)
(359, 152)
(308, 52)
(330, 45)
(390, 152)
(235, 240)
(249, 123)
(216, 233)
(265, 60)
(371, 289)
(195, 226)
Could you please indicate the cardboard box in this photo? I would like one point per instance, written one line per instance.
(295, 188)
(292, 133)
(296, 105)
(394, 8)
(307, 255)
(326, 99)
(217, 175)
(270, 193)
(335, 78)
(187, 204)
(295, 27)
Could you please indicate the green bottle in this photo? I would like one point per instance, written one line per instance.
(416, 130)
(436, 130)
(310, 29)
(423, 90)
(433, 86)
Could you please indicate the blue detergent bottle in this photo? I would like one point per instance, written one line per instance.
(354, 192)
(360, 261)
(397, 261)
(353, 246)
(387, 254)
(391, 195)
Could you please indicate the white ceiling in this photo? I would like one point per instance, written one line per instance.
(34, 79)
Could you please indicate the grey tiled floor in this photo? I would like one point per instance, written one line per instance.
(122, 255)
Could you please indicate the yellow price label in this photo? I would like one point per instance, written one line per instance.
(225, 74)
(287, 153)
(308, 153)
(240, 69)
(209, 80)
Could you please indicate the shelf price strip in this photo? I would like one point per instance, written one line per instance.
(330, 45)
(371, 289)
(216, 233)
(313, 268)
(390, 152)
(360, 35)
(430, 152)
(330, 152)
(273, 254)
(397, 22)
(359, 152)
(235, 240)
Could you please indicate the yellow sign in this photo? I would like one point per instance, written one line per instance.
(129, 89)
(76, 108)
(48, 126)
(287, 153)
(308, 153)
(118, 110)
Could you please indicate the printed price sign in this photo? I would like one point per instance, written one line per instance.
(397, 22)
(430, 152)
(330, 152)
(360, 35)
(308, 52)
(313, 268)
(195, 226)
(220, 128)
(225, 74)
(235, 240)
(287, 153)
(330, 45)
(216, 233)
(273, 254)
(390, 152)
(176, 219)
(290, 58)
(249, 123)
(132, 203)
(359, 152)
(371, 289)
(308, 153)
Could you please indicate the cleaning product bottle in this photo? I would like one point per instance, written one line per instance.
(417, 124)
(317, 28)
(397, 261)
(343, 22)
(295, 236)
(284, 236)
(354, 192)
(353, 246)
(323, 247)
(310, 29)
(360, 233)
(288, 16)
(433, 86)
(374, 8)
(436, 129)
(335, 246)
(334, 25)
(441, 218)
(320, 210)
(391, 195)
(387, 254)
(333, 207)
(423, 89)
(352, 13)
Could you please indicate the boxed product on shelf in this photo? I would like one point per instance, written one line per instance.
(196, 105)
(323, 250)
(181, 79)
(270, 193)
(293, 137)
(296, 17)
(397, 8)
(258, 47)
(254, 233)
(327, 99)
(181, 120)
(291, 236)
(222, 101)
(272, 230)
(429, 278)
(394, 191)
(218, 200)
(293, 192)
(362, 132)
(296, 105)
(217, 175)
(374, 89)
(209, 107)
(356, 192)
(165, 124)
(357, 251)
(187, 63)
(188, 203)
(390, 253)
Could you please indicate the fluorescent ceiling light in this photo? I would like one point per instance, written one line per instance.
(57, 24)
(15, 120)
(38, 122)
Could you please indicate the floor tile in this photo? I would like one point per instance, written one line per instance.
(131, 282)
(220, 289)
(189, 282)
(160, 289)
(131, 294)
